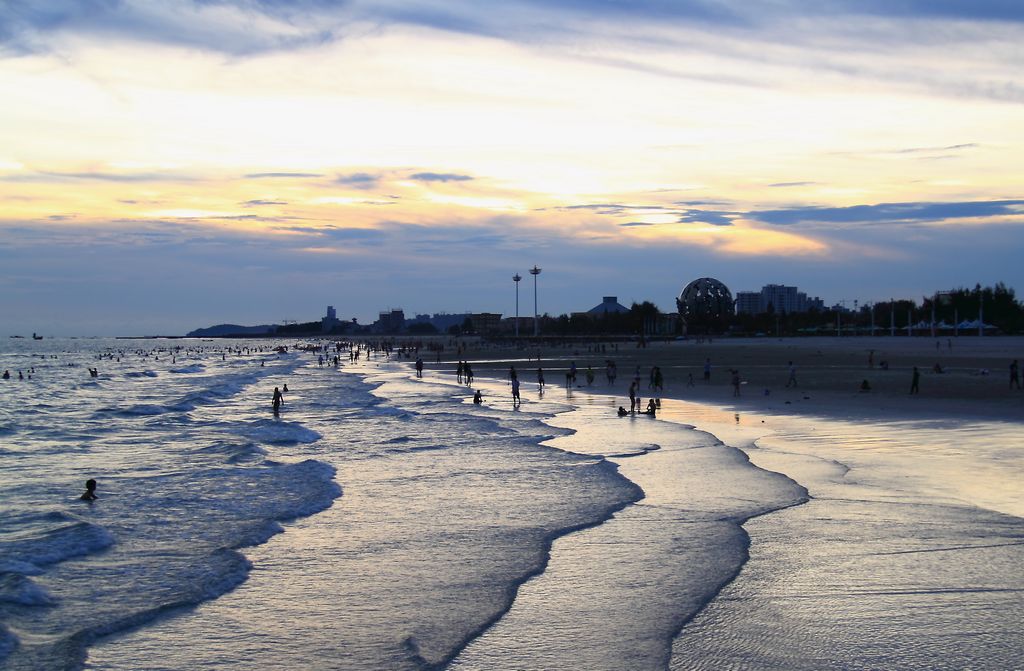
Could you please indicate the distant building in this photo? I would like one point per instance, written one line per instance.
(704, 299)
(777, 298)
(608, 305)
(330, 321)
(485, 322)
(390, 321)
(442, 321)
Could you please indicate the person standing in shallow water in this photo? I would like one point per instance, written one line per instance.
(915, 380)
(278, 399)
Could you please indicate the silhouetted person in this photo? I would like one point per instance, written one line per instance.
(285, 389)
(90, 491)
(7, 375)
(515, 392)
(915, 381)
(791, 382)
(652, 408)
(540, 379)
(419, 367)
(278, 399)
(865, 386)
(1014, 375)
(735, 383)
(478, 397)
(632, 396)
(622, 411)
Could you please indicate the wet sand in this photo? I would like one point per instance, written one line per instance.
(829, 372)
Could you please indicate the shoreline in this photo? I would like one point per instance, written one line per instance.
(829, 373)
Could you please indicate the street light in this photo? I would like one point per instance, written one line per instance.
(536, 319)
(516, 278)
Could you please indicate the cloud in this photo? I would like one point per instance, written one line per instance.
(47, 177)
(282, 175)
(782, 185)
(889, 212)
(358, 180)
(254, 203)
(713, 217)
(439, 177)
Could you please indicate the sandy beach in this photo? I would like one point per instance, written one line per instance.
(912, 515)
(829, 373)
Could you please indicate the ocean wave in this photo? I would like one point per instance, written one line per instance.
(137, 410)
(194, 368)
(142, 373)
(279, 432)
(20, 590)
(62, 537)
(233, 453)
(8, 642)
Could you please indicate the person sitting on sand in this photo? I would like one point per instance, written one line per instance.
(622, 411)
(652, 408)
(478, 397)
(90, 491)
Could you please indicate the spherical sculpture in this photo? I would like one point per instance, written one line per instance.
(705, 299)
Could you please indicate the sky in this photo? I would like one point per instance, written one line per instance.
(172, 164)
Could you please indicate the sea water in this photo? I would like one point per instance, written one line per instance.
(419, 530)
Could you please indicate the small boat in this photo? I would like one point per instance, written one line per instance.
(36, 337)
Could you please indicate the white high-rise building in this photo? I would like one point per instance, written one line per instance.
(777, 298)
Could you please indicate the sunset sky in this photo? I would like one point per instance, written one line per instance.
(171, 164)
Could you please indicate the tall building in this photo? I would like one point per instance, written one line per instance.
(777, 298)
(330, 322)
(390, 321)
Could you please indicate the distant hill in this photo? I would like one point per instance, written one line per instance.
(222, 330)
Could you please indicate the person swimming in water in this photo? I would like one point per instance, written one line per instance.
(90, 491)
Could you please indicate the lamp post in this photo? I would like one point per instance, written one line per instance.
(536, 319)
(516, 278)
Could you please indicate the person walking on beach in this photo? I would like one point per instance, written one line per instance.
(791, 382)
(590, 376)
(468, 373)
(735, 382)
(632, 397)
(515, 392)
(915, 380)
(458, 371)
(278, 400)
(419, 367)
(540, 380)
(513, 376)
(1014, 375)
